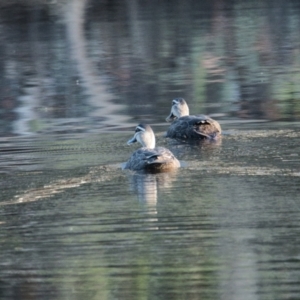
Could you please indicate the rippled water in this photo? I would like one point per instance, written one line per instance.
(226, 225)
(76, 77)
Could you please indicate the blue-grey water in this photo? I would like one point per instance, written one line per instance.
(76, 77)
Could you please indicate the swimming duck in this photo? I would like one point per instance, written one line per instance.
(185, 126)
(149, 157)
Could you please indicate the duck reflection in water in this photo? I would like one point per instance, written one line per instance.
(150, 158)
(147, 185)
(186, 127)
(183, 149)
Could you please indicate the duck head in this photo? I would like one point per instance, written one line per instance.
(179, 109)
(144, 135)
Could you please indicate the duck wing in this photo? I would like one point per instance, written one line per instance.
(205, 126)
(160, 155)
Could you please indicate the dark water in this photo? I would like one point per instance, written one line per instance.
(76, 77)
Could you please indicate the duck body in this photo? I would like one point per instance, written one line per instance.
(158, 159)
(194, 127)
(150, 158)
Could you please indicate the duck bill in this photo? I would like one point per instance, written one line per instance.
(170, 117)
(132, 140)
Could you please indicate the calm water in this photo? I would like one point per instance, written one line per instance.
(76, 77)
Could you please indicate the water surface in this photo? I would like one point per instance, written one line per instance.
(223, 226)
(76, 77)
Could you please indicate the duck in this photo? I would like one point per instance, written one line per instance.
(188, 127)
(149, 157)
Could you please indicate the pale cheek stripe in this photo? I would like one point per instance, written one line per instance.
(141, 128)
